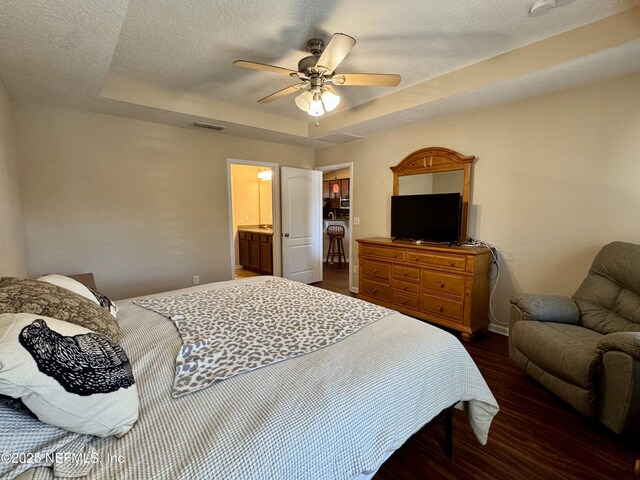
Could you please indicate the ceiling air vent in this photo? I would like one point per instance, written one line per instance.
(209, 126)
(340, 138)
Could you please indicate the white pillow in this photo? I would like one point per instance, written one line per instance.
(82, 290)
(67, 375)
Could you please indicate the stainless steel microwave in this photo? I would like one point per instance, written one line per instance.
(344, 202)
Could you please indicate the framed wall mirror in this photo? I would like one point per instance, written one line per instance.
(436, 170)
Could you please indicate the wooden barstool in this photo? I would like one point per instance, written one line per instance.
(336, 248)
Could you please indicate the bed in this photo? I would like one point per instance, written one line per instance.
(336, 413)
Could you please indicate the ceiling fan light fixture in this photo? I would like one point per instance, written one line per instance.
(304, 100)
(316, 109)
(330, 101)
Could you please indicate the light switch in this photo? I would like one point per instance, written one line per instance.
(356, 220)
(246, 218)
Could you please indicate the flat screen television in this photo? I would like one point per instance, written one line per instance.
(432, 217)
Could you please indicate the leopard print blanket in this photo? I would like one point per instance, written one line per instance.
(227, 331)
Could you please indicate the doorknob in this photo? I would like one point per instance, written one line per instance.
(286, 235)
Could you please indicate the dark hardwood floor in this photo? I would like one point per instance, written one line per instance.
(534, 436)
(335, 277)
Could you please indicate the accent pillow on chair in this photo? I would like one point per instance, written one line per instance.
(67, 375)
(24, 295)
(81, 289)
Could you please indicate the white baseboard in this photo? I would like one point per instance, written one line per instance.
(354, 290)
(501, 329)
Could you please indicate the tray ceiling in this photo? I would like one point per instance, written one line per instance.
(171, 61)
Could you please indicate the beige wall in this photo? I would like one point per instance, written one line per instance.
(141, 205)
(13, 257)
(556, 178)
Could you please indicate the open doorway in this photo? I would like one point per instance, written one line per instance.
(255, 242)
(337, 195)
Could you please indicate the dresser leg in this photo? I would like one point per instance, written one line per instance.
(467, 337)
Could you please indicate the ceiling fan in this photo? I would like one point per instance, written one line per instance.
(317, 75)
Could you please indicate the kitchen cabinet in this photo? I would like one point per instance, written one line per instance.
(342, 187)
(326, 189)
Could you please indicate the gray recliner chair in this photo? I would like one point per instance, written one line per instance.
(586, 349)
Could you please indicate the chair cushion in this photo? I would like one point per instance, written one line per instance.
(566, 351)
(609, 298)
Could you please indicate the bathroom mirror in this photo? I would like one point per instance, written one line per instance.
(436, 170)
(265, 200)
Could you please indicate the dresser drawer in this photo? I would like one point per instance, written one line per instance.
(375, 289)
(406, 273)
(446, 308)
(443, 282)
(381, 252)
(438, 259)
(405, 287)
(405, 300)
(376, 269)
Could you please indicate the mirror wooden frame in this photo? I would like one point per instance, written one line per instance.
(435, 160)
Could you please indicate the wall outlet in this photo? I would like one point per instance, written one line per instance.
(246, 217)
(355, 269)
(356, 220)
(196, 279)
(270, 217)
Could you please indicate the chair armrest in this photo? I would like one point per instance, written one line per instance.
(627, 342)
(546, 308)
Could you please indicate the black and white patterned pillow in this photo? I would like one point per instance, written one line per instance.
(67, 375)
(81, 289)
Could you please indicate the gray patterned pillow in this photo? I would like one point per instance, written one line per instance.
(23, 295)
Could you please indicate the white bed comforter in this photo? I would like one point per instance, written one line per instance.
(335, 413)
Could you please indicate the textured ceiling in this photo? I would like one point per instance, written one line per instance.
(65, 52)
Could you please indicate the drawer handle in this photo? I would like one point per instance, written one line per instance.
(405, 273)
(375, 270)
(441, 284)
(417, 259)
(369, 251)
(452, 264)
(440, 308)
(404, 287)
(404, 302)
(374, 290)
(395, 255)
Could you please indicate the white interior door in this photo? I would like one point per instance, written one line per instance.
(301, 224)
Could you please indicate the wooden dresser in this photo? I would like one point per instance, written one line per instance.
(448, 286)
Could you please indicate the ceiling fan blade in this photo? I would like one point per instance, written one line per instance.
(335, 51)
(282, 93)
(263, 66)
(367, 79)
